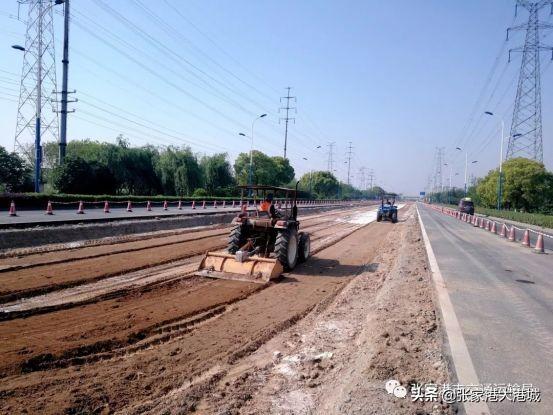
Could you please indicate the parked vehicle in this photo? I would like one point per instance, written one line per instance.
(466, 206)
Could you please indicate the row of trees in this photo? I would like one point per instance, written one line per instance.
(94, 167)
(527, 186)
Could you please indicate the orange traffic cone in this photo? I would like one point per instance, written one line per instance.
(215, 204)
(12, 209)
(193, 204)
(49, 210)
(80, 209)
(539, 249)
(494, 228)
(129, 206)
(224, 203)
(149, 206)
(234, 203)
(512, 234)
(106, 207)
(526, 238)
(165, 205)
(503, 232)
(203, 204)
(179, 206)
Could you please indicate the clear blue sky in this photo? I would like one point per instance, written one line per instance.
(395, 78)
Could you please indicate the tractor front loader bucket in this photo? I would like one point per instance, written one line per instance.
(253, 269)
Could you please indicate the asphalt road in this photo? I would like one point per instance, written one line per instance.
(502, 294)
(95, 212)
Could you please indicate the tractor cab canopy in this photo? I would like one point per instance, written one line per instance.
(284, 198)
(388, 200)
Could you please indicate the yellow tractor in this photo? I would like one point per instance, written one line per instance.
(265, 240)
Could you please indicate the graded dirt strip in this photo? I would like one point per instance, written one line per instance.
(94, 263)
(177, 350)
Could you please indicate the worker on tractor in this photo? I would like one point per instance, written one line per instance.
(268, 206)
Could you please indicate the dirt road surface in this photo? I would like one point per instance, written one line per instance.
(167, 343)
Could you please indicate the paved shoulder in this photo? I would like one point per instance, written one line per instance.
(502, 294)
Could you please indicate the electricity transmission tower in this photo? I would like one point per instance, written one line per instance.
(525, 139)
(287, 118)
(331, 157)
(371, 178)
(349, 155)
(362, 179)
(439, 161)
(37, 113)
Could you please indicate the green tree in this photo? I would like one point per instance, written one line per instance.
(178, 171)
(284, 172)
(322, 184)
(527, 185)
(14, 172)
(79, 176)
(275, 171)
(217, 174)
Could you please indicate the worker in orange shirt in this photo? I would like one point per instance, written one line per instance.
(267, 206)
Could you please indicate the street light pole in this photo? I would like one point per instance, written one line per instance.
(250, 179)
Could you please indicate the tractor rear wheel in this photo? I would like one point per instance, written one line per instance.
(394, 217)
(304, 247)
(379, 217)
(286, 248)
(237, 239)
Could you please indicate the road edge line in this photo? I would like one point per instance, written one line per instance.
(466, 374)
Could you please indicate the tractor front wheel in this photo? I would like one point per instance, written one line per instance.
(394, 217)
(286, 248)
(379, 217)
(237, 239)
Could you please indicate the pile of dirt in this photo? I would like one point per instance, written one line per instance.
(382, 326)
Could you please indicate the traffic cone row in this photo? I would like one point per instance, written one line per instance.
(491, 226)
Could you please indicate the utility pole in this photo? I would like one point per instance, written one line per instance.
(525, 138)
(371, 177)
(64, 92)
(287, 118)
(331, 157)
(349, 154)
(38, 79)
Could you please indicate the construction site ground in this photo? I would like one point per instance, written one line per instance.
(122, 325)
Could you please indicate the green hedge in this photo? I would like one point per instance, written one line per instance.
(536, 219)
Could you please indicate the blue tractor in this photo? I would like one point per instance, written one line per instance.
(387, 210)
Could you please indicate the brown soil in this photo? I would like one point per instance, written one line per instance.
(164, 347)
(34, 274)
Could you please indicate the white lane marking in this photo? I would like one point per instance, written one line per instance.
(466, 375)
